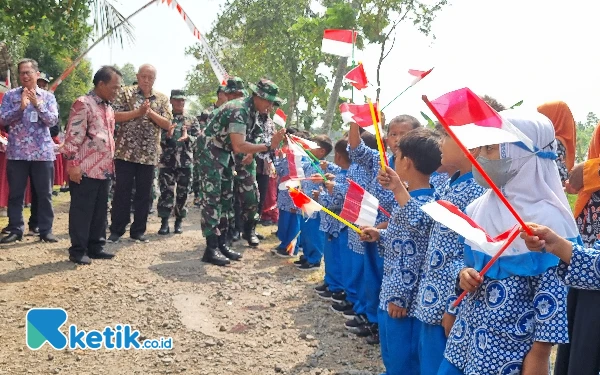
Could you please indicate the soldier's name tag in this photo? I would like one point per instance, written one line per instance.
(33, 116)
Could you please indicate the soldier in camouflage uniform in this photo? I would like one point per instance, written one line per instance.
(175, 166)
(226, 133)
(203, 119)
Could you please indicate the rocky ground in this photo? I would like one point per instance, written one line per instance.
(258, 316)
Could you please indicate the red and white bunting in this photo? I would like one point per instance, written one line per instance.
(280, 118)
(216, 66)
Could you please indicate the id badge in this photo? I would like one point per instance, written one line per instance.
(33, 116)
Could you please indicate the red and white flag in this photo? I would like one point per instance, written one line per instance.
(474, 122)
(418, 74)
(304, 203)
(293, 156)
(360, 206)
(452, 217)
(360, 114)
(305, 143)
(339, 42)
(279, 118)
(357, 77)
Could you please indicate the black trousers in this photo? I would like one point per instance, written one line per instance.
(41, 174)
(87, 215)
(129, 174)
(33, 220)
(263, 186)
(582, 355)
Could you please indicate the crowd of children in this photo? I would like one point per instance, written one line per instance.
(397, 282)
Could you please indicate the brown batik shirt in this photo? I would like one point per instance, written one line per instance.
(138, 140)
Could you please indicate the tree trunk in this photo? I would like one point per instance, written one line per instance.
(332, 104)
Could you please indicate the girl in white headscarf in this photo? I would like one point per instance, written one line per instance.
(510, 320)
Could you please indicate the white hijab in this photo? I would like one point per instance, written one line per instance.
(536, 192)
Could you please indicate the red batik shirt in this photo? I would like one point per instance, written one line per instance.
(89, 139)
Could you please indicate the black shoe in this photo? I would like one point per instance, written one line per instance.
(373, 339)
(5, 230)
(250, 233)
(321, 288)
(326, 295)
(212, 254)
(49, 238)
(139, 238)
(113, 238)
(339, 296)
(80, 259)
(64, 189)
(349, 313)
(300, 261)
(259, 236)
(341, 307)
(356, 322)
(225, 250)
(178, 228)
(235, 236)
(101, 255)
(366, 330)
(282, 253)
(309, 266)
(12, 237)
(34, 231)
(164, 226)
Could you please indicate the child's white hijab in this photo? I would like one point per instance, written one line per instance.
(536, 193)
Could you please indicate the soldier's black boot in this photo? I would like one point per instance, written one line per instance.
(178, 229)
(212, 254)
(235, 236)
(164, 226)
(225, 250)
(250, 233)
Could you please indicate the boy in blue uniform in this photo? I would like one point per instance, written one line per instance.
(313, 239)
(332, 197)
(404, 244)
(369, 161)
(443, 261)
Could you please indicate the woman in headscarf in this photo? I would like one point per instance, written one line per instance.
(566, 136)
(512, 317)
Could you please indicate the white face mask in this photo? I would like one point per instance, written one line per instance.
(498, 170)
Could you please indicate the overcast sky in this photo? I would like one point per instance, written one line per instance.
(531, 50)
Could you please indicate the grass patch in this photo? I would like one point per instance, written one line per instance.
(58, 201)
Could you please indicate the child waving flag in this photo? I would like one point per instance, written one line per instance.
(512, 318)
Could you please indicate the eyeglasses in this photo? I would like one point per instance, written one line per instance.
(27, 73)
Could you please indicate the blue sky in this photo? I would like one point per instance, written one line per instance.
(532, 50)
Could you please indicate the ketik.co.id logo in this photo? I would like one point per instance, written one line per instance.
(43, 325)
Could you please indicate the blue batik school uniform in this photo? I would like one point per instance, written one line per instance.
(336, 241)
(439, 181)
(355, 288)
(443, 262)
(288, 224)
(369, 161)
(404, 244)
(313, 239)
(497, 324)
(584, 270)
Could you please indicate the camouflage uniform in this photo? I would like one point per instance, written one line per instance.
(216, 163)
(198, 147)
(176, 166)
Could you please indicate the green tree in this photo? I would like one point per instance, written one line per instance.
(584, 135)
(129, 72)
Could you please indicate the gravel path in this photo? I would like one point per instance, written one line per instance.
(258, 316)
